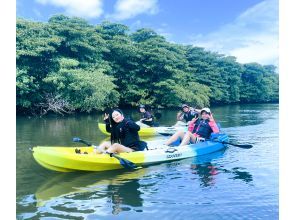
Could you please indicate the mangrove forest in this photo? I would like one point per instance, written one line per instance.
(68, 65)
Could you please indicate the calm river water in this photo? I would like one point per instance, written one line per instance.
(234, 183)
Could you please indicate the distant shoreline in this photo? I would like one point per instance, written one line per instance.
(134, 108)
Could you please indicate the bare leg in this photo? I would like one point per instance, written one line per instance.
(118, 148)
(180, 124)
(142, 125)
(102, 147)
(178, 134)
(189, 137)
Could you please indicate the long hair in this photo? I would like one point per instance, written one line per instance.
(115, 132)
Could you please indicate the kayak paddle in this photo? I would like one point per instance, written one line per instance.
(245, 146)
(124, 162)
(77, 139)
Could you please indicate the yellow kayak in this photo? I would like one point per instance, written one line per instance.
(65, 159)
(149, 131)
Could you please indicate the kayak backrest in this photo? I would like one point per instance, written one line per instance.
(219, 126)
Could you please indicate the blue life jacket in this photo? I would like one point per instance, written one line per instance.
(203, 129)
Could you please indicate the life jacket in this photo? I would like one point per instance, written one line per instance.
(188, 116)
(148, 115)
(196, 124)
(204, 130)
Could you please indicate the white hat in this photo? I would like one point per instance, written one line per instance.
(185, 105)
(207, 110)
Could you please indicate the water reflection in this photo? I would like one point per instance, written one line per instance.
(206, 170)
(244, 115)
(70, 183)
(84, 193)
(125, 194)
(54, 130)
(239, 173)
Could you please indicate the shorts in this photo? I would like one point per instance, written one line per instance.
(138, 146)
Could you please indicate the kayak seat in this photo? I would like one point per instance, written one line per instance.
(143, 146)
(176, 143)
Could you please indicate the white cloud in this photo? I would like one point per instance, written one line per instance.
(79, 8)
(126, 9)
(136, 25)
(37, 13)
(163, 32)
(252, 37)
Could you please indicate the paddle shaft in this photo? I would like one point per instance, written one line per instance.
(245, 146)
(85, 142)
(124, 162)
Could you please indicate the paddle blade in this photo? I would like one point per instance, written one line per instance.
(124, 162)
(127, 164)
(247, 146)
(76, 139)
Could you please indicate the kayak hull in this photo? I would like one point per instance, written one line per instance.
(150, 131)
(64, 159)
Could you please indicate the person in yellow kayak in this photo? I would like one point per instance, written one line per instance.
(146, 116)
(187, 113)
(198, 129)
(124, 134)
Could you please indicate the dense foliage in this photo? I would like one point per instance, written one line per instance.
(69, 65)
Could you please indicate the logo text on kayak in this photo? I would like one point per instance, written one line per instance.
(173, 155)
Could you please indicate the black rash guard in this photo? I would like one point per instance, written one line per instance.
(127, 132)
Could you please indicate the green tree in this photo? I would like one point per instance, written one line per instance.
(79, 40)
(206, 70)
(35, 59)
(83, 90)
(259, 84)
(230, 72)
(68, 65)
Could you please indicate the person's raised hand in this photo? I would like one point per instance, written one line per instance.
(106, 116)
(194, 119)
(211, 117)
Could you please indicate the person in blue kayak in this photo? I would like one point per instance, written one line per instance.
(198, 129)
(124, 134)
(146, 117)
(187, 113)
